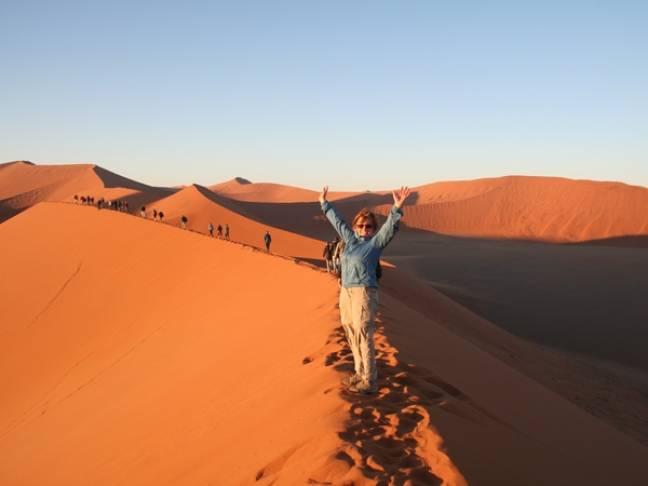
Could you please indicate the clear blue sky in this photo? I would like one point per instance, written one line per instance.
(356, 94)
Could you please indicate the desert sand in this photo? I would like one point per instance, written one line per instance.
(201, 206)
(23, 184)
(550, 209)
(136, 352)
(121, 364)
(241, 189)
(542, 209)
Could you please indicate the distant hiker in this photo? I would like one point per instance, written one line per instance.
(337, 251)
(219, 232)
(82, 199)
(143, 211)
(227, 231)
(328, 255)
(155, 214)
(126, 206)
(267, 239)
(210, 228)
(161, 216)
(76, 199)
(359, 291)
(183, 222)
(99, 203)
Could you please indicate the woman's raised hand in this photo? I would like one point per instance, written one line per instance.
(400, 196)
(322, 196)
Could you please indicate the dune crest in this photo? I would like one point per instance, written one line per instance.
(201, 206)
(24, 184)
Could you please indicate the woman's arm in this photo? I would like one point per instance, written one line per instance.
(334, 218)
(389, 229)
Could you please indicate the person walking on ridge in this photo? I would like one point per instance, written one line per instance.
(219, 232)
(183, 222)
(227, 231)
(364, 243)
(328, 255)
(337, 251)
(267, 239)
(210, 228)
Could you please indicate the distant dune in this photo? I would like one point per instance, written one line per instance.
(161, 356)
(548, 209)
(244, 190)
(201, 206)
(23, 184)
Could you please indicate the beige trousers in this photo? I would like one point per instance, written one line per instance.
(358, 306)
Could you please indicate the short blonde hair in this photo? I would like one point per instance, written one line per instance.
(363, 215)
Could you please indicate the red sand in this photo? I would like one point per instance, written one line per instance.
(135, 352)
(535, 208)
(244, 190)
(23, 184)
(201, 206)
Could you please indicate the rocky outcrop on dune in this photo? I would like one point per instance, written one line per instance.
(23, 184)
(546, 209)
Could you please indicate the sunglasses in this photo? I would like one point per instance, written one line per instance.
(365, 226)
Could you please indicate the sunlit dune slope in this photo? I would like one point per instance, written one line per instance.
(244, 190)
(201, 206)
(23, 184)
(536, 208)
(136, 353)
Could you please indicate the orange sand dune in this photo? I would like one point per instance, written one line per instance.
(201, 206)
(244, 190)
(23, 184)
(536, 208)
(161, 356)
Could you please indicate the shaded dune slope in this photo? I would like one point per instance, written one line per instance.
(23, 184)
(166, 357)
(201, 206)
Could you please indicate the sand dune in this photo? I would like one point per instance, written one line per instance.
(201, 206)
(547, 209)
(23, 184)
(162, 356)
(243, 190)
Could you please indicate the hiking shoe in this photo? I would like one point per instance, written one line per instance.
(352, 380)
(364, 388)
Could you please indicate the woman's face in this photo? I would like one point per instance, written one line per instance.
(365, 228)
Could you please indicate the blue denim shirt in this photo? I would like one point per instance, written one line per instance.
(361, 255)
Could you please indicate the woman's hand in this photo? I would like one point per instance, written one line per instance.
(322, 196)
(400, 196)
